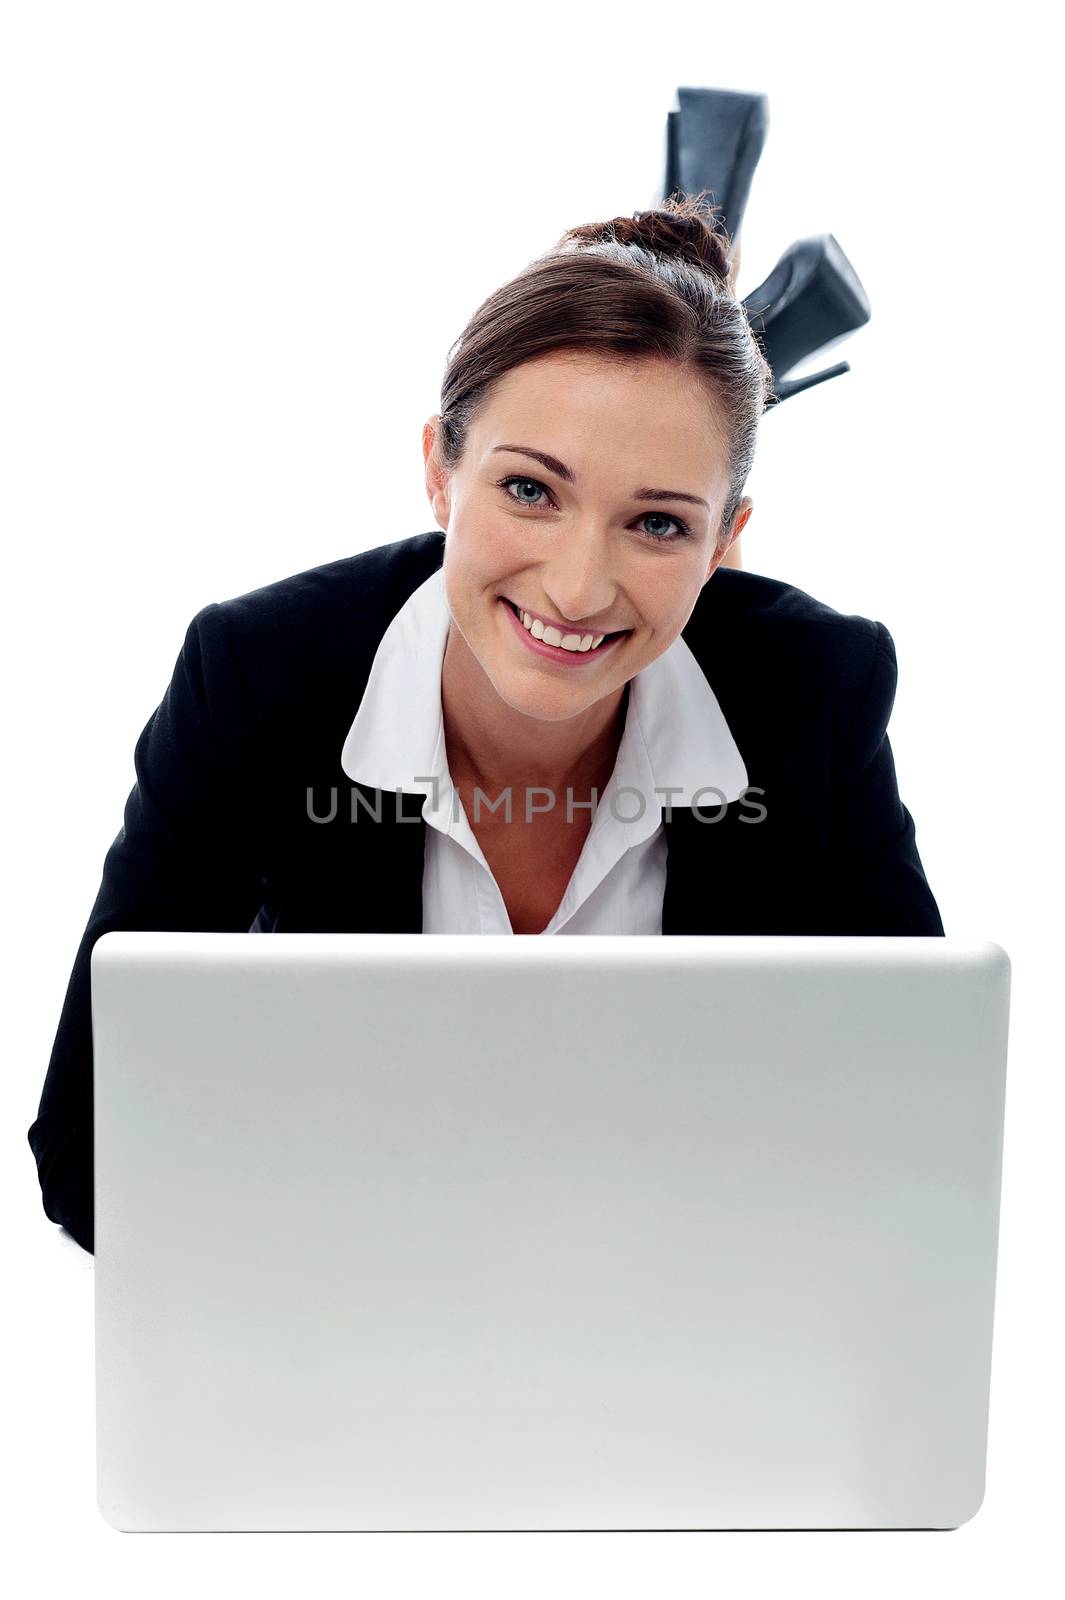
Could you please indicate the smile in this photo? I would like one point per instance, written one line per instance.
(551, 644)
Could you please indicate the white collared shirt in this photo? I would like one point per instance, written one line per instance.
(676, 743)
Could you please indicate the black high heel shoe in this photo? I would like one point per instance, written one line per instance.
(811, 300)
(714, 141)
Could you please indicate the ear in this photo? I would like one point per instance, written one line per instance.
(739, 522)
(742, 517)
(436, 475)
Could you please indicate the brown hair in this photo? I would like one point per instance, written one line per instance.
(656, 284)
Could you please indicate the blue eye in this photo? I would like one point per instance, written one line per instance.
(505, 482)
(656, 538)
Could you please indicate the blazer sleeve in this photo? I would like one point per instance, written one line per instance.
(184, 859)
(877, 882)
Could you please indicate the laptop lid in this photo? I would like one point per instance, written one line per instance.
(487, 1232)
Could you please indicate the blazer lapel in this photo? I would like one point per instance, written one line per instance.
(370, 880)
(685, 908)
(386, 863)
(720, 877)
(353, 876)
(399, 895)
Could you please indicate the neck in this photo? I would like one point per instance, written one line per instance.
(491, 745)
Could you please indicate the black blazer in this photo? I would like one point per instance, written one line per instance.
(243, 754)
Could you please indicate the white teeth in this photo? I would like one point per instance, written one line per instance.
(569, 641)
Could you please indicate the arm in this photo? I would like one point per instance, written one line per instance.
(876, 881)
(183, 860)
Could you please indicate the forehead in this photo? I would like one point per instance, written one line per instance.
(578, 399)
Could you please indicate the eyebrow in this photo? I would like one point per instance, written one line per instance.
(560, 470)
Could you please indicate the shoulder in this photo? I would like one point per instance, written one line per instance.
(362, 591)
(763, 633)
(322, 625)
(294, 655)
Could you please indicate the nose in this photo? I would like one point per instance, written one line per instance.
(577, 580)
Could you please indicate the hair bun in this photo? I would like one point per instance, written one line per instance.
(684, 227)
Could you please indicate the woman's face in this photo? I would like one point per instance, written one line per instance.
(587, 540)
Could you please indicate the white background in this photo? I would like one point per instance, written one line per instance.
(238, 241)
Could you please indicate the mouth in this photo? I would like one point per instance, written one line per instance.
(570, 655)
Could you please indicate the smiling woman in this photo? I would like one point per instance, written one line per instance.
(577, 549)
(621, 368)
(606, 728)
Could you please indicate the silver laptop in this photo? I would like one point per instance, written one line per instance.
(488, 1232)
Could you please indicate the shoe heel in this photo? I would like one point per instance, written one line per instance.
(811, 299)
(714, 141)
(789, 386)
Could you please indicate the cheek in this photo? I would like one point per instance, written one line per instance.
(659, 603)
(666, 606)
(469, 582)
(508, 544)
(489, 543)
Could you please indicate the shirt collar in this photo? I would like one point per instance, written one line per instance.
(676, 748)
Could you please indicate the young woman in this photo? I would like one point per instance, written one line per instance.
(543, 717)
